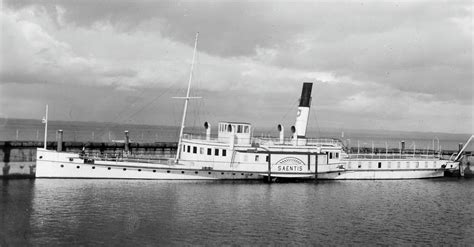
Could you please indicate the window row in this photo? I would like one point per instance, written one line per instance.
(209, 151)
(398, 164)
(238, 128)
(332, 155)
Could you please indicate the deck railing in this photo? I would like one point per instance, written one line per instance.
(267, 140)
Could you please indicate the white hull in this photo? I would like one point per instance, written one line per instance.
(384, 174)
(52, 164)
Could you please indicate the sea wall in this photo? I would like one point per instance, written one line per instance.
(18, 158)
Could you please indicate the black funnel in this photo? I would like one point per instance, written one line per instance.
(305, 100)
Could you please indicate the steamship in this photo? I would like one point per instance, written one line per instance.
(236, 154)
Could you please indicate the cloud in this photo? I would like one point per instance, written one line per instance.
(370, 59)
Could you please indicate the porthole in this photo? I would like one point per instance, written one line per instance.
(62, 166)
(251, 174)
(338, 173)
(41, 157)
(108, 168)
(124, 169)
(78, 167)
(182, 172)
(210, 173)
(233, 174)
(242, 174)
(139, 170)
(71, 159)
(154, 170)
(222, 173)
(167, 171)
(93, 167)
(196, 172)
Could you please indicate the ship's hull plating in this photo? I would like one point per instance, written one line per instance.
(51, 164)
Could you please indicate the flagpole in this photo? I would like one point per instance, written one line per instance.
(46, 127)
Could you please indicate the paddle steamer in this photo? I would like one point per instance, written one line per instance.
(236, 154)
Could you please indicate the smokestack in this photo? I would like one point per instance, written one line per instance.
(282, 133)
(303, 110)
(60, 141)
(207, 126)
(127, 140)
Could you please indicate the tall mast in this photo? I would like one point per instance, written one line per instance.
(45, 121)
(186, 100)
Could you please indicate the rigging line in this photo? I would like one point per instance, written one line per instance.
(156, 98)
(291, 108)
(129, 106)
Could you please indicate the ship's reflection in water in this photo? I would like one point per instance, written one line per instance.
(141, 213)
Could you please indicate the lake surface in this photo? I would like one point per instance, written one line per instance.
(150, 213)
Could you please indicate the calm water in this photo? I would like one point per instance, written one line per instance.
(150, 213)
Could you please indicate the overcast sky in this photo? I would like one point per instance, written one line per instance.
(398, 65)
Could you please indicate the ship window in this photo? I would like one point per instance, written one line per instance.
(359, 165)
(93, 167)
(216, 152)
(195, 149)
(62, 165)
(408, 164)
(224, 152)
(380, 164)
(337, 155)
(256, 157)
(389, 164)
(398, 164)
(210, 173)
(330, 155)
(154, 170)
(417, 164)
(78, 167)
(239, 128)
(209, 151)
(267, 158)
(71, 159)
(182, 172)
(108, 168)
(139, 170)
(124, 169)
(196, 172)
(246, 129)
(201, 150)
(167, 171)
(184, 148)
(189, 149)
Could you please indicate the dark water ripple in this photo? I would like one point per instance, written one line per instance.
(150, 213)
